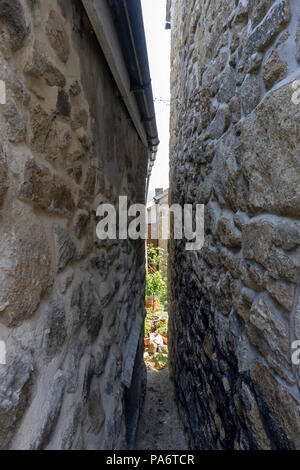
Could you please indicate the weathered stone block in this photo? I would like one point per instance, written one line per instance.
(281, 266)
(235, 108)
(270, 155)
(248, 411)
(15, 381)
(86, 306)
(96, 413)
(95, 316)
(281, 291)
(252, 275)
(73, 429)
(272, 24)
(14, 83)
(208, 346)
(3, 178)
(75, 172)
(39, 66)
(63, 105)
(227, 85)
(255, 62)
(274, 70)
(258, 246)
(221, 294)
(271, 331)
(57, 36)
(82, 220)
(80, 119)
(286, 235)
(241, 307)
(257, 241)
(45, 139)
(228, 234)
(51, 412)
(80, 302)
(101, 355)
(229, 262)
(258, 9)
(238, 34)
(46, 190)
(250, 93)
(240, 15)
(228, 187)
(220, 123)
(210, 79)
(65, 247)
(16, 126)
(75, 88)
(282, 410)
(210, 254)
(12, 17)
(73, 366)
(90, 180)
(25, 272)
(56, 327)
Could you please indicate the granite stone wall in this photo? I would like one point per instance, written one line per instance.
(71, 307)
(235, 147)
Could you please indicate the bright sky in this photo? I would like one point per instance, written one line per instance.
(158, 42)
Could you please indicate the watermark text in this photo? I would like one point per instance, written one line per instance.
(134, 222)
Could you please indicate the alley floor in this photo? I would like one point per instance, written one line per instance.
(160, 427)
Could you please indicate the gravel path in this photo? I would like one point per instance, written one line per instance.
(160, 427)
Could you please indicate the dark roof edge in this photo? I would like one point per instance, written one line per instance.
(119, 28)
(128, 18)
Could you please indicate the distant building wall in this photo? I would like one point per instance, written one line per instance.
(158, 217)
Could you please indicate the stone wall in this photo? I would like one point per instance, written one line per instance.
(71, 328)
(235, 146)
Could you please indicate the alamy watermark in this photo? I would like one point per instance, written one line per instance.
(133, 222)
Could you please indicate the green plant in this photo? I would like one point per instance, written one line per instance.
(148, 326)
(161, 360)
(162, 328)
(164, 297)
(161, 325)
(156, 285)
(155, 258)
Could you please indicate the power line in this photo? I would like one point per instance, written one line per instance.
(162, 100)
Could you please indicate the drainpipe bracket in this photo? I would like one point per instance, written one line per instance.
(140, 88)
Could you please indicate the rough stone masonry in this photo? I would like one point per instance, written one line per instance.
(71, 307)
(235, 147)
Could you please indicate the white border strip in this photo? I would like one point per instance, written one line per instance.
(2, 92)
(2, 353)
